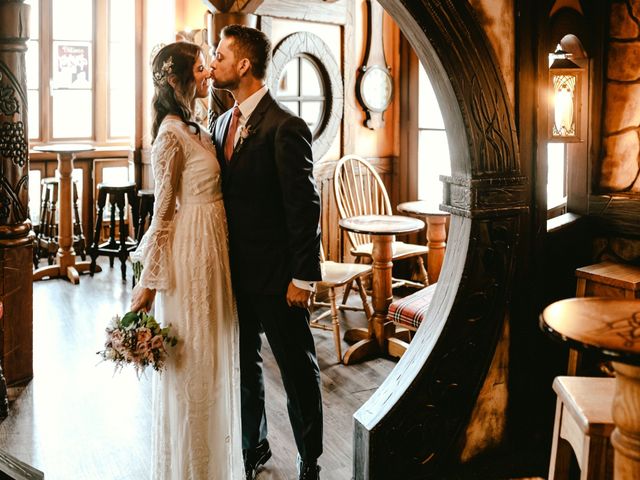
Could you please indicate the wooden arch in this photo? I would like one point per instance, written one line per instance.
(414, 424)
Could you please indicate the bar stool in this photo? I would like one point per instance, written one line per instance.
(119, 196)
(145, 209)
(605, 279)
(46, 244)
(583, 425)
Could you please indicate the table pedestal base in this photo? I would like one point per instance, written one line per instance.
(71, 272)
(626, 416)
(365, 346)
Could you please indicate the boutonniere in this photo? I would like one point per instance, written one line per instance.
(245, 132)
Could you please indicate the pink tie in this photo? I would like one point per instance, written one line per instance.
(231, 134)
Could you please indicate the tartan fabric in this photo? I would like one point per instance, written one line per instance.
(411, 310)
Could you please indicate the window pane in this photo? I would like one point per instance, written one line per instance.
(72, 114)
(433, 154)
(72, 19)
(121, 114)
(121, 14)
(288, 84)
(311, 84)
(115, 175)
(71, 65)
(34, 196)
(293, 106)
(121, 60)
(33, 64)
(429, 116)
(556, 178)
(34, 19)
(310, 113)
(33, 97)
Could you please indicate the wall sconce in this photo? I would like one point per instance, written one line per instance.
(565, 83)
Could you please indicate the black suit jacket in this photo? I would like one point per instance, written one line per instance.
(272, 204)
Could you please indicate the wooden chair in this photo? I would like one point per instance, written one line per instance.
(335, 275)
(359, 191)
(407, 314)
(145, 212)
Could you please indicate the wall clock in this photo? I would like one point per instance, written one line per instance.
(374, 87)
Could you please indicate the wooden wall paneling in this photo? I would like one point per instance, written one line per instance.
(16, 326)
(352, 114)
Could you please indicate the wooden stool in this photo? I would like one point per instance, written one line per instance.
(46, 243)
(112, 248)
(583, 424)
(606, 279)
(145, 209)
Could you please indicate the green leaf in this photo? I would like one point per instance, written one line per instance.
(129, 319)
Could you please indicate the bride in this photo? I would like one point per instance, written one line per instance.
(196, 400)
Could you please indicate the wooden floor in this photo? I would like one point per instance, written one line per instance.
(77, 420)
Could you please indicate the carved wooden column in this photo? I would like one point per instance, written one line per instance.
(16, 237)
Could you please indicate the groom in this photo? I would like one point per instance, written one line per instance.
(273, 212)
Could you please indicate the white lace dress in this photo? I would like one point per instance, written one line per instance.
(196, 400)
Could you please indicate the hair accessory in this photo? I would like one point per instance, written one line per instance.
(160, 78)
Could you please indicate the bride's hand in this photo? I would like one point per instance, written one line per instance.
(142, 299)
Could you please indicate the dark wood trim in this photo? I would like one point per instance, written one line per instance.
(309, 10)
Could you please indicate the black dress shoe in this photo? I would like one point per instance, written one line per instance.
(254, 458)
(308, 470)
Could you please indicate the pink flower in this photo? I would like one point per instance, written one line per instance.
(144, 335)
(157, 342)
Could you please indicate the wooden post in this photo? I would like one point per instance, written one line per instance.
(626, 416)
(382, 292)
(16, 237)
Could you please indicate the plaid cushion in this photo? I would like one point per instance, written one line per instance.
(411, 310)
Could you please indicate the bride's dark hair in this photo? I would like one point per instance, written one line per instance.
(173, 65)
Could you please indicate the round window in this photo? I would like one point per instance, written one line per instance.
(307, 80)
(301, 89)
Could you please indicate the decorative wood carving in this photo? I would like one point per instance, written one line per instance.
(15, 229)
(309, 10)
(413, 425)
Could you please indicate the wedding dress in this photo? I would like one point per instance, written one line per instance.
(196, 400)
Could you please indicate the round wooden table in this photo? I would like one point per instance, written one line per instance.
(65, 266)
(610, 326)
(436, 232)
(382, 228)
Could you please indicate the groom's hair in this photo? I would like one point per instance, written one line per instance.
(251, 44)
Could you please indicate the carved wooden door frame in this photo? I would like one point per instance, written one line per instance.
(414, 424)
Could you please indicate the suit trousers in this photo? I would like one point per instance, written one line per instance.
(287, 330)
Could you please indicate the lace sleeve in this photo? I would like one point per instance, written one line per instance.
(154, 251)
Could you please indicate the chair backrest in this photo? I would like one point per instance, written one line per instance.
(359, 191)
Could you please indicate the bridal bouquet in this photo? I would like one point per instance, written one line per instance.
(137, 339)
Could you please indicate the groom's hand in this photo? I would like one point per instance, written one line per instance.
(298, 297)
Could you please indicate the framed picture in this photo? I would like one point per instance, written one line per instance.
(72, 65)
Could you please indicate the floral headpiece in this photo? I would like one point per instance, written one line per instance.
(160, 78)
